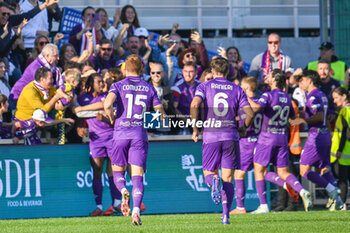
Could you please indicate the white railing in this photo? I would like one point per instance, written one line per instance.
(229, 7)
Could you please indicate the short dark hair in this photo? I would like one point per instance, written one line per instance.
(3, 99)
(86, 8)
(220, 65)
(41, 73)
(323, 61)
(313, 75)
(280, 78)
(106, 41)
(4, 4)
(191, 63)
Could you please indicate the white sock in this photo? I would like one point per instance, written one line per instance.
(264, 206)
(116, 203)
(122, 191)
(99, 206)
(136, 210)
(285, 185)
(240, 208)
(330, 187)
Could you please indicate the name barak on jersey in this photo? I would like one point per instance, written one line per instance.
(135, 88)
(220, 86)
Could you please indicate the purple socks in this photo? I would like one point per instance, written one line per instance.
(137, 190)
(97, 188)
(227, 197)
(209, 180)
(261, 190)
(119, 180)
(316, 178)
(330, 178)
(240, 193)
(274, 178)
(115, 194)
(294, 183)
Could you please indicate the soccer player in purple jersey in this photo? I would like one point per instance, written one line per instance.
(222, 100)
(246, 144)
(316, 151)
(132, 96)
(272, 146)
(101, 135)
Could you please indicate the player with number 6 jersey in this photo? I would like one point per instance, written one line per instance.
(133, 97)
(317, 147)
(222, 100)
(272, 146)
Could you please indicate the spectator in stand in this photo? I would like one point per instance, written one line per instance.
(113, 75)
(164, 93)
(18, 54)
(328, 84)
(171, 41)
(327, 54)
(110, 31)
(184, 91)
(191, 54)
(14, 20)
(38, 25)
(132, 46)
(272, 58)
(235, 59)
(78, 37)
(142, 34)
(340, 150)
(105, 59)
(4, 85)
(68, 53)
(48, 59)
(40, 42)
(129, 16)
(38, 94)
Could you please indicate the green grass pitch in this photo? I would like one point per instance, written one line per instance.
(316, 221)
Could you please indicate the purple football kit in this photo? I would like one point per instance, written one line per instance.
(316, 151)
(272, 146)
(247, 143)
(222, 101)
(100, 133)
(130, 143)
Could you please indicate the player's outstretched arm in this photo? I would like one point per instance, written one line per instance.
(161, 110)
(318, 117)
(108, 106)
(194, 115)
(254, 106)
(249, 115)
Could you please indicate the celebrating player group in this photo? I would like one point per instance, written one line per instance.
(253, 133)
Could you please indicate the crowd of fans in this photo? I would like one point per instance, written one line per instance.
(44, 85)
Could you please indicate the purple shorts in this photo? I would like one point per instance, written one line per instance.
(277, 155)
(100, 149)
(129, 151)
(247, 147)
(224, 154)
(316, 151)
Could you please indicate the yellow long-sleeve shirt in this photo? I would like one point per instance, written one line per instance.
(30, 99)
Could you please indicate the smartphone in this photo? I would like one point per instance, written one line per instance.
(194, 30)
(95, 18)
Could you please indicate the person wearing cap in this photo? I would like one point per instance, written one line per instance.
(38, 94)
(327, 54)
(272, 58)
(142, 34)
(105, 59)
(29, 128)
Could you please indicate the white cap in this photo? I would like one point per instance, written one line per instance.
(290, 69)
(141, 32)
(41, 115)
